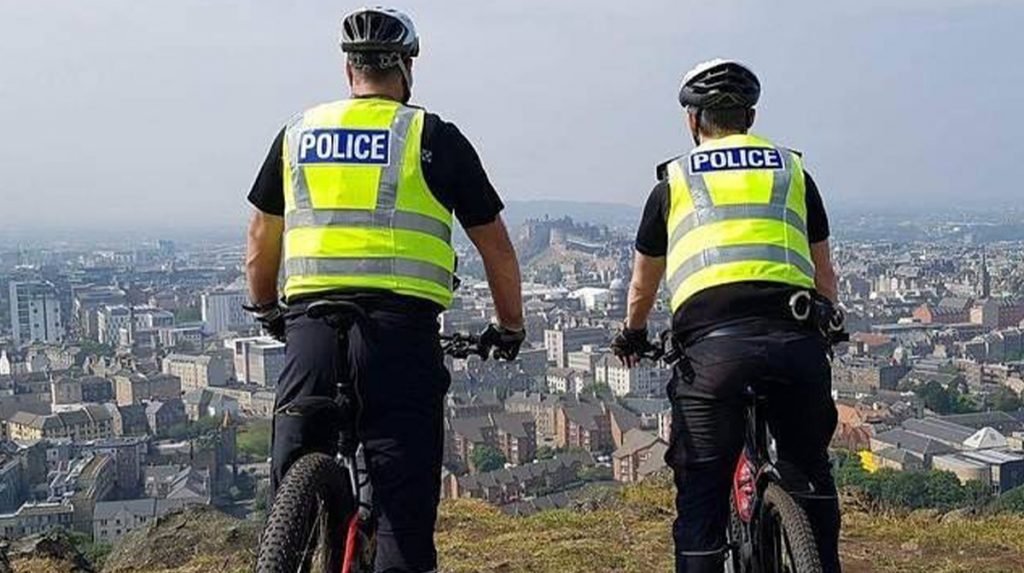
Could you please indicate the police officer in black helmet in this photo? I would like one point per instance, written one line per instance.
(738, 228)
(373, 228)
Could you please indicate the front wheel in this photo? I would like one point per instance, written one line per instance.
(306, 528)
(785, 538)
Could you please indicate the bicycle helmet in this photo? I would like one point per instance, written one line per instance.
(719, 84)
(379, 30)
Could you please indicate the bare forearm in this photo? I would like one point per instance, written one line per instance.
(263, 257)
(502, 268)
(506, 289)
(643, 289)
(825, 280)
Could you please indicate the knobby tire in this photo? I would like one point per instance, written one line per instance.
(314, 503)
(785, 522)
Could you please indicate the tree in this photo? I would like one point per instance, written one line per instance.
(545, 453)
(942, 400)
(95, 552)
(902, 489)
(977, 494)
(595, 473)
(1010, 501)
(253, 440)
(850, 471)
(943, 490)
(936, 398)
(485, 458)
(1005, 400)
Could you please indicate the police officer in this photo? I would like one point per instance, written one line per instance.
(738, 228)
(359, 196)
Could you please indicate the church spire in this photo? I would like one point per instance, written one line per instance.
(984, 279)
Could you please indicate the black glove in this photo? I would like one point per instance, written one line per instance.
(504, 341)
(629, 344)
(271, 318)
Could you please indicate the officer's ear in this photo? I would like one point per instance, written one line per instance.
(691, 121)
(751, 113)
(348, 72)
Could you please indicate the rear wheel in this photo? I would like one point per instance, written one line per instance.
(306, 527)
(785, 541)
(738, 558)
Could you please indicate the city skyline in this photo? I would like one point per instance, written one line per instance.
(159, 115)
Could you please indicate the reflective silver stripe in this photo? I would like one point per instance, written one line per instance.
(780, 181)
(738, 253)
(718, 551)
(361, 218)
(387, 188)
(699, 194)
(734, 212)
(384, 266)
(300, 189)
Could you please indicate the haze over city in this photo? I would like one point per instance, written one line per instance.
(157, 115)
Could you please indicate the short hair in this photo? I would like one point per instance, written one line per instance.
(374, 66)
(725, 120)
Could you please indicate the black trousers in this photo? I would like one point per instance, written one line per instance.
(792, 370)
(397, 365)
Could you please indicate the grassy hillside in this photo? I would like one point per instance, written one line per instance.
(612, 532)
(631, 533)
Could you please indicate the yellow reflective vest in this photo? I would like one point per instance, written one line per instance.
(737, 213)
(358, 213)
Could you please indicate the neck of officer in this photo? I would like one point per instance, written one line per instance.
(706, 137)
(391, 88)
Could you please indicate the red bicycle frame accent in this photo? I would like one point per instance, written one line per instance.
(743, 487)
(351, 534)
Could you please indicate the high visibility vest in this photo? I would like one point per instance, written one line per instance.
(737, 213)
(358, 212)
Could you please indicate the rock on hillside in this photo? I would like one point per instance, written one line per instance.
(52, 552)
(197, 539)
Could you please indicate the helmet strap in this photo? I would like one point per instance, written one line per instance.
(407, 77)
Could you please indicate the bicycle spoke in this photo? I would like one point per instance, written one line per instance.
(308, 552)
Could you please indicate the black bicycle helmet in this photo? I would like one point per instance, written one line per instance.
(379, 30)
(719, 84)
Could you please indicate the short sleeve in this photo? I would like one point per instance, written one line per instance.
(817, 220)
(267, 193)
(456, 175)
(652, 235)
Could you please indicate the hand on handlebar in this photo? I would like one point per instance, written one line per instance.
(505, 342)
(271, 318)
(630, 345)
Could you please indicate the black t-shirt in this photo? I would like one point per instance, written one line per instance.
(732, 302)
(451, 168)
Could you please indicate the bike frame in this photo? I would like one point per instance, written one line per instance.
(360, 529)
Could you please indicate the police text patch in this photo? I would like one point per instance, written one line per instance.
(735, 158)
(359, 146)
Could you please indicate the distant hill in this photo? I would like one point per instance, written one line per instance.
(611, 214)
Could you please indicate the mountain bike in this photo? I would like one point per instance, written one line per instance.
(769, 532)
(322, 517)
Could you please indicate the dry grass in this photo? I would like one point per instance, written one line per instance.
(626, 531)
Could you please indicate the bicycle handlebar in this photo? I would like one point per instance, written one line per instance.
(463, 345)
(662, 349)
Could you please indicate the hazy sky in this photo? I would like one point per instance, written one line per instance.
(160, 112)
